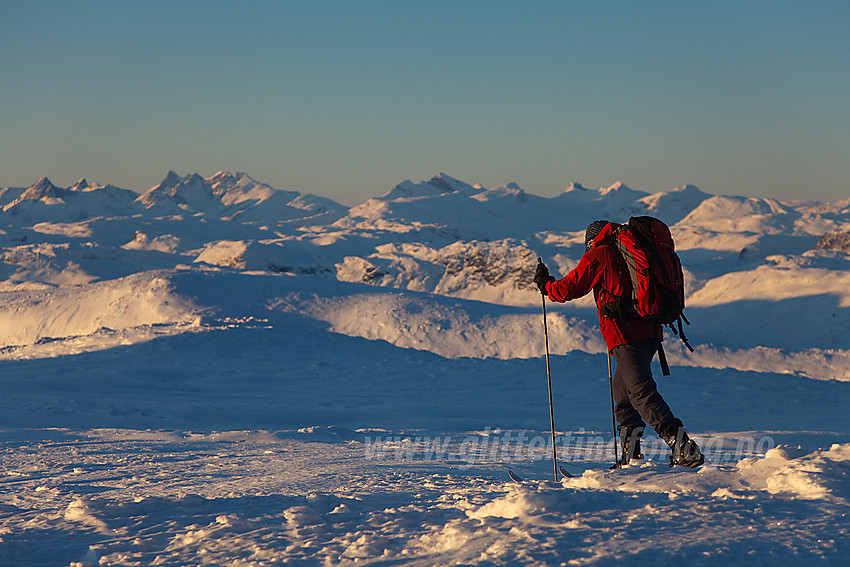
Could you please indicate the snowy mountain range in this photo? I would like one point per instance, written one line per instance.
(222, 195)
(453, 241)
(217, 371)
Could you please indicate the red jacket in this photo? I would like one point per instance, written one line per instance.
(597, 270)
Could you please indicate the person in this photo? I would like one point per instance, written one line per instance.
(632, 342)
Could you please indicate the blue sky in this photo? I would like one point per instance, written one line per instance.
(346, 99)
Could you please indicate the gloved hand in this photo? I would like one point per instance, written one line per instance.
(541, 276)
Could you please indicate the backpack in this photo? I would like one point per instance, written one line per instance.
(649, 255)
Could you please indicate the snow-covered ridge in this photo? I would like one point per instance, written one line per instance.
(72, 319)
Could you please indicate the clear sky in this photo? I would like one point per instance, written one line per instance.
(348, 98)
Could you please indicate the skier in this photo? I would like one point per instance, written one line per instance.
(633, 342)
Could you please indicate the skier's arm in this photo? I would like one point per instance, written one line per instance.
(579, 282)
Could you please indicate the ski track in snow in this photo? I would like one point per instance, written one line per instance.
(221, 373)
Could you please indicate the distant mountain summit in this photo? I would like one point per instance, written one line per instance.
(675, 205)
(223, 195)
(176, 194)
(44, 201)
(622, 191)
(237, 188)
(198, 194)
(474, 212)
(235, 196)
(42, 189)
(440, 184)
(80, 185)
(443, 204)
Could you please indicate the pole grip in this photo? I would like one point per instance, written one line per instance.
(539, 262)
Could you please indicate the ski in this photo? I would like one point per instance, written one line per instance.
(516, 478)
(564, 472)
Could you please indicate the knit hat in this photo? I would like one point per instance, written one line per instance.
(593, 230)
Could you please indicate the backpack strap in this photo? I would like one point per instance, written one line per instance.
(680, 332)
(662, 358)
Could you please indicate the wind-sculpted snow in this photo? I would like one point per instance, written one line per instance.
(91, 317)
(449, 328)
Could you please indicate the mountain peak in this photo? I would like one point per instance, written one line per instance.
(621, 191)
(80, 185)
(43, 188)
(574, 186)
(446, 182)
(43, 184)
(171, 179)
(510, 191)
(616, 187)
(689, 189)
(440, 184)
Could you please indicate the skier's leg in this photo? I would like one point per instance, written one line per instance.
(628, 417)
(631, 425)
(633, 366)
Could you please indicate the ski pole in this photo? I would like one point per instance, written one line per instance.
(613, 423)
(549, 380)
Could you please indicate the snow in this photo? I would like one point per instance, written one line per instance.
(221, 372)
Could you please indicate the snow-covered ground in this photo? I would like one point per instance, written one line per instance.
(220, 372)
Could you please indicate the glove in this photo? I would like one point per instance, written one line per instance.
(542, 276)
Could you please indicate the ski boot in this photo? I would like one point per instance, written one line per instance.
(630, 447)
(631, 451)
(686, 453)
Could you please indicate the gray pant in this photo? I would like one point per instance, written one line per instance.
(636, 395)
